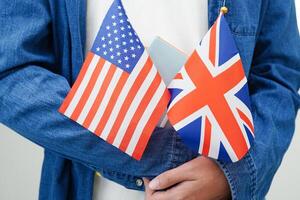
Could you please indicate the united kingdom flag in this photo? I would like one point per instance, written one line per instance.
(210, 105)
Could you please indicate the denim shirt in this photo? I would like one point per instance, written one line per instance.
(42, 50)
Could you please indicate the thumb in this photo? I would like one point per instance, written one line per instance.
(148, 191)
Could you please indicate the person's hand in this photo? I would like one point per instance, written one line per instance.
(200, 178)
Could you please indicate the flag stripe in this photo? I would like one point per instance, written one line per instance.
(107, 83)
(118, 105)
(147, 123)
(77, 83)
(139, 112)
(107, 98)
(246, 120)
(88, 90)
(178, 76)
(106, 79)
(92, 98)
(112, 101)
(124, 102)
(82, 86)
(207, 137)
(147, 130)
(164, 121)
(212, 45)
(217, 39)
(141, 92)
(202, 129)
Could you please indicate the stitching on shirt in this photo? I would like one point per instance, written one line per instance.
(253, 174)
(229, 178)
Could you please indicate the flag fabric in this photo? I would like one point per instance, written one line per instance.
(118, 95)
(210, 105)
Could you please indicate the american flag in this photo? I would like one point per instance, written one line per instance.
(210, 105)
(118, 94)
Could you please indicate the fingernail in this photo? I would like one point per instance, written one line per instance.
(154, 184)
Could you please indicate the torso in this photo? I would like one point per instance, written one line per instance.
(180, 23)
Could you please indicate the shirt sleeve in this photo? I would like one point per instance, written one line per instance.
(31, 93)
(274, 83)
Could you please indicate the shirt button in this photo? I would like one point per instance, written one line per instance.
(139, 182)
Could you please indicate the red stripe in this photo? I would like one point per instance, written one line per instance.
(88, 90)
(178, 76)
(77, 83)
(246, 120)
(212, 45)
(207, 138)
(128, 100)
(149, 127)
(99, 97)
(112, 101)
(139, 112)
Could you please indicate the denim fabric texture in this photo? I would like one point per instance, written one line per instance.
(41, 53)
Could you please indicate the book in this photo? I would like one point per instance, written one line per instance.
(167, 58)
(168, 61)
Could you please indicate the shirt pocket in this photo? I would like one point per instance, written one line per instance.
(243, 16)
(243, 19)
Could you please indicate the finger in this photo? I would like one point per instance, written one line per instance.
(148, 191)
(178, 192)
(170, 178)
(184, 191)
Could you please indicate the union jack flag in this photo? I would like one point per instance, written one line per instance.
(118, 94)
(210, 105)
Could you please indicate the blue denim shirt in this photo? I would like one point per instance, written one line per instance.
(42, 50)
